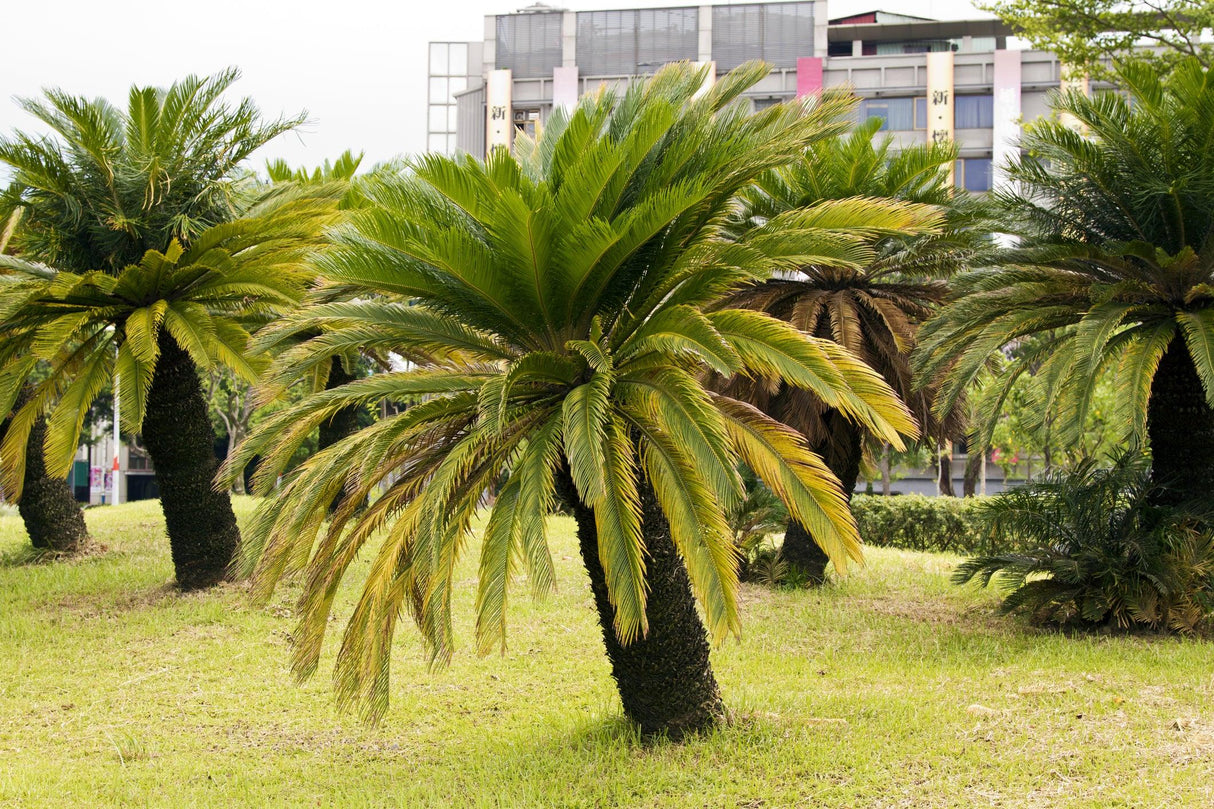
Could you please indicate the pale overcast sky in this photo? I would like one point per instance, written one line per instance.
(358, 67)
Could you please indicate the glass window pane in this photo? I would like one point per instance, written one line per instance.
(459, 58)
(452, 146)
(438, 58)
(452, 117)
(458, 84)
(974, 112)
(921, 112)
(438, 119)
(437, 143)
(977, 174)
(529, 44)
(896, 114)
(438, 90)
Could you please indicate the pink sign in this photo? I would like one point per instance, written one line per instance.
(809, 76)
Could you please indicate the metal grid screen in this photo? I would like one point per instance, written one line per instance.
(529, 44)
(624, 43)
(777, 33)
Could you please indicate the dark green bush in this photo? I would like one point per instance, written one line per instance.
(915, 522)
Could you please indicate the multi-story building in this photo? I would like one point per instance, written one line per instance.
(925, 79)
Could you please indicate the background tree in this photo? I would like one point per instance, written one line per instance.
(1087, 34)
(1115, 273)
(558, 296)
(871, 310)
(138, 264)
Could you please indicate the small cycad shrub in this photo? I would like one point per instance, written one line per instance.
(757, 516)
(1101, 551)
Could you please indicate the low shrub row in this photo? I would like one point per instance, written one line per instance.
(915, 522)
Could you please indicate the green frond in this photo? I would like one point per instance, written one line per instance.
(1198, 329)
(802, 481)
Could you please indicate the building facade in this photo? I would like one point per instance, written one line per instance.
(925, 79)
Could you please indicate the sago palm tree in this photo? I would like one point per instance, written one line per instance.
(1115, 272)
(872, 310)
(555, 299)
(137, 264)
(52, 517)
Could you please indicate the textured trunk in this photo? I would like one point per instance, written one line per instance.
(887, 476)
(973, 470)
(52, 516)
(944, 476)
(665, 679)
(1180, 426)
(344, 421)
(179, 437)
(842, 453)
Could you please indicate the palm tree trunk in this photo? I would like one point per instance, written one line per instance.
(1180, 426)
(344, 421)
(665, 679)
(52, 516)
(179, 437)
(842, 452)
(944, 471)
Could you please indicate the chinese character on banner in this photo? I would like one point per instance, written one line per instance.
(497, 113)
(940, 97)
(941, 136)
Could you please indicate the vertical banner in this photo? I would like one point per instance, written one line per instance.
(564, 87)
(498, 114)
(809, 76)
(940, 99)
(1006, 103)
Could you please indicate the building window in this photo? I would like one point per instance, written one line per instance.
(529, 44)
(973, 112)
(527, 122)
(896, 114)
(448, 76)
(973, 174)
(625, 43)
(777, 33)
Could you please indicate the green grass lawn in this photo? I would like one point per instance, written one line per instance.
(888, 688)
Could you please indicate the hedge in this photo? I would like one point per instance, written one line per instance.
(915, 522)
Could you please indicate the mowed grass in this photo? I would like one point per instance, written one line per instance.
(890, 687)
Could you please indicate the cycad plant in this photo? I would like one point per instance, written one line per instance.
(137, 269)
(1096, 550)
(1115, 272)
(555, 299)
(52, 517)
(872, 309)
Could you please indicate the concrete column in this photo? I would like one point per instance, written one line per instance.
(490, 50)
(1006, 102)
(569, 39)
(705, 34)
(821, 24)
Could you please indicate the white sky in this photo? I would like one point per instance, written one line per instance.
(358, 67)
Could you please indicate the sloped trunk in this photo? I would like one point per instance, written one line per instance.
(665, 679)
(842, 452)
(1180, 426)
(52, 516)
(179, 437)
